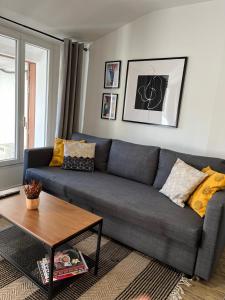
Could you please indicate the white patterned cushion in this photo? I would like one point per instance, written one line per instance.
(80, 158)
(182, 182)
(75, 149)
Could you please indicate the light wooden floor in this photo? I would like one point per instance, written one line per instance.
(211, 290)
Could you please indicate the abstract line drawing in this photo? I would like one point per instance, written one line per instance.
(151, 91)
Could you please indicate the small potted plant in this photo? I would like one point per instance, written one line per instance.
(32, 191)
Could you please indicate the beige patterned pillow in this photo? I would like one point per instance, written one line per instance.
(182, 182)
(79, 157)
(75, 149)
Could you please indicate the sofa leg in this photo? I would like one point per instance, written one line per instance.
(195, 278)
(192, 277)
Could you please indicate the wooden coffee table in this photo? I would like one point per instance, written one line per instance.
(33, 233)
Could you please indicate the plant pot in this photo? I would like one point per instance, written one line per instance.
(32, 203)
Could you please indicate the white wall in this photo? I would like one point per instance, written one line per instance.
(196, 31)
(11, 176)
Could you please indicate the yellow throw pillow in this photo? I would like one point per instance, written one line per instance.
(58, 152)
(203, 194)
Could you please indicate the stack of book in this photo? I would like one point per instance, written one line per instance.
(67, 263)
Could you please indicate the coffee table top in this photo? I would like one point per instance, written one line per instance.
(53, 223)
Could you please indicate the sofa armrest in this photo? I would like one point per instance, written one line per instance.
(37, 157)
(213, 237)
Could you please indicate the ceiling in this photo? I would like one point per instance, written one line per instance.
(84, 20)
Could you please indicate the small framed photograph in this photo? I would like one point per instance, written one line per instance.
(109, 106)
(153, 90)
(112, 74)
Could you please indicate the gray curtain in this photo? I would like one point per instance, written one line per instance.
(70, 89)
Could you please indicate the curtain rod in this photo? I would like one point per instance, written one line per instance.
(36, 30)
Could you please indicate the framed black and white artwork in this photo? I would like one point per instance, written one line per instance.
(109, 106)
(153, 90)
(112, 74)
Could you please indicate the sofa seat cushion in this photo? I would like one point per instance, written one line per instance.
(132, 161)
(132, 202)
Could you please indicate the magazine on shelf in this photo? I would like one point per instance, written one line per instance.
(67, 260)
(67, 272)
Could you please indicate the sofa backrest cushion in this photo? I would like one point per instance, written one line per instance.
(167, 159)
(101, 149)
(132, 161)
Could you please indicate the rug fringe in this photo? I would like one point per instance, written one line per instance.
(178, 292)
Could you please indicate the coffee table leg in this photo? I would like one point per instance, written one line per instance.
(51, 269)
(98, 247)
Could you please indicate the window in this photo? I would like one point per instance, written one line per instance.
(28, 66)
(8, 101)
(35, 94)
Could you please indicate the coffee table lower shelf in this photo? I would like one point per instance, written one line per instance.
(23, 251)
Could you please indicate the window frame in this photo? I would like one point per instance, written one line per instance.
(22, 39)
(15, 160)
(42, 45)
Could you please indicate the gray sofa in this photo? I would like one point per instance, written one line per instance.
(124, 189)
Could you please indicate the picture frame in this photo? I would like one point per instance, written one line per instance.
(109, 106)
(153, 90)
(112, 74)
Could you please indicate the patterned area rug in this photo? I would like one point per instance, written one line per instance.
(123, 274)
